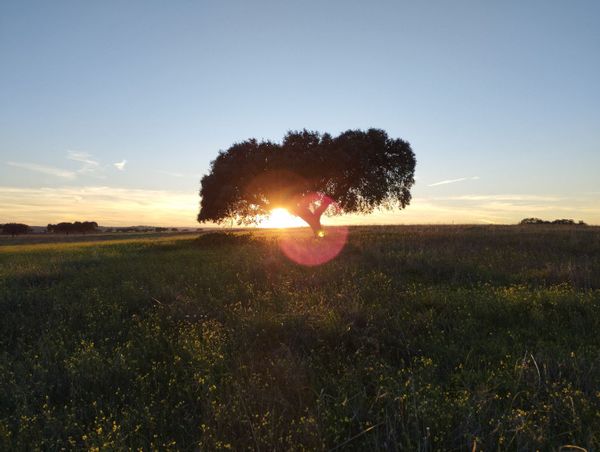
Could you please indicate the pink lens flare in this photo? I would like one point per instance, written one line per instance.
(304, 248)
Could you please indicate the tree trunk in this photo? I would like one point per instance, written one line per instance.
(313, 218)
(315, 224)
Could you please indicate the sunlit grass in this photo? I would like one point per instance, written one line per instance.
(63, 246)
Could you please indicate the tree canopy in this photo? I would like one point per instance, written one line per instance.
(306, 173)
(77, 227)
(563, 221)
(15, 228)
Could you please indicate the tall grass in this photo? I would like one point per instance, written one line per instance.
(413, 338)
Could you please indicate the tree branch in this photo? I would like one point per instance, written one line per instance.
(325, 203)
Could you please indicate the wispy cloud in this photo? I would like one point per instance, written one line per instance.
(122, 206)
(501, 208)
(502, 197)
(171, 173)
(49, 170)
(120, 165)
(453, 181)
(106, 205)
(88, 165)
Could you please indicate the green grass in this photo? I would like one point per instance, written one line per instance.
(413, 338)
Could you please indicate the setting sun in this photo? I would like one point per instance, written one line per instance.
(281, 218)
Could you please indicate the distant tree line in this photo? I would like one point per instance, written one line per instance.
(15, 228)
(78, 227)
(125, 229)
(140, 229)
(567, 221)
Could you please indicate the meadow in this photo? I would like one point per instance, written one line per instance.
(413, 338)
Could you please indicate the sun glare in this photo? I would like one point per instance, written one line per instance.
(281, 218)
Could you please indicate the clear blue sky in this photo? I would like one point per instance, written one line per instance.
(502, 98)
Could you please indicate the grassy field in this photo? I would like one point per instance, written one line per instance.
(32, 239)
(413, 338)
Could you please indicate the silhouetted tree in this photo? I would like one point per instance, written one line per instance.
(305, 174)
(88, 226)
(565, 221)
(533, 221)
(15, 228)
(64, 228)
(73, 228)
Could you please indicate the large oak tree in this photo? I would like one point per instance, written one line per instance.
(308, 174)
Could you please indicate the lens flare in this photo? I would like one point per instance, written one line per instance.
(302, 247)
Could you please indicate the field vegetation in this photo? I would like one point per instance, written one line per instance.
(43, 238)
(413, 338)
